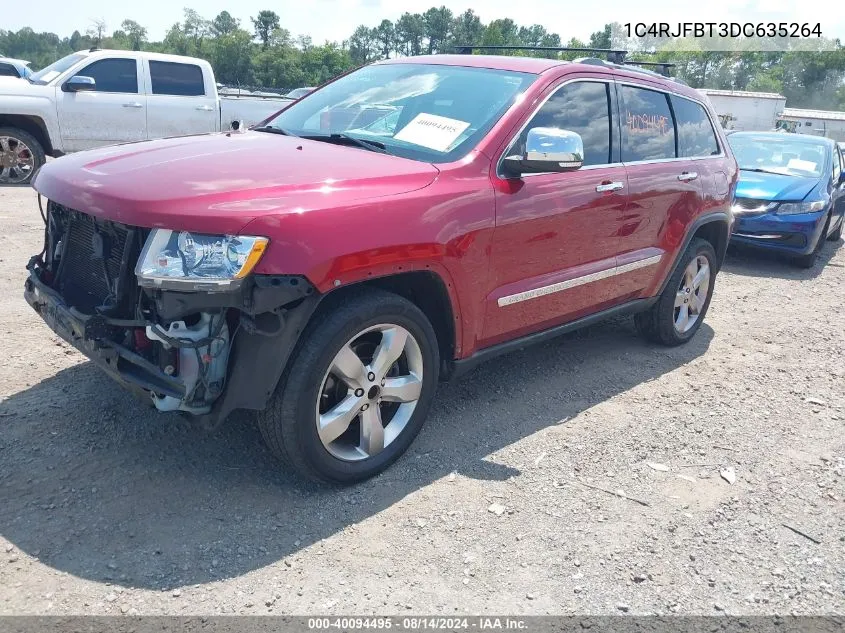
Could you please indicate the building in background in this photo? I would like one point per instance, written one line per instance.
(816, 122)
(749, 111)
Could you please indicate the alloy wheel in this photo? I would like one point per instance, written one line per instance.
(370, 392)
(17, 161)
(692, 294)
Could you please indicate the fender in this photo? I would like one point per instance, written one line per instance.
(710, 218)
(32, 102)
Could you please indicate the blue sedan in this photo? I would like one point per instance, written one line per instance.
(790, 196)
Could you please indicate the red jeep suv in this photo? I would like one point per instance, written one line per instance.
(388, 231)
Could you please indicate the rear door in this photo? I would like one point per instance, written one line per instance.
(114, 112)
(181, 100)
(664, 191)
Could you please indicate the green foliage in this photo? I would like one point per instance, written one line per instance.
(269, 56)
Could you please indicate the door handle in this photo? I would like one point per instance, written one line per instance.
(205, 108)
(133, 105)
(610, 186)
(688, 175)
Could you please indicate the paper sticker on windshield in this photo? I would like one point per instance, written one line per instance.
(801, 165)
(432, 131)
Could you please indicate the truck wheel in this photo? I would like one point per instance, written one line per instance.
(356, 391)
(20, 156)
(679, 311)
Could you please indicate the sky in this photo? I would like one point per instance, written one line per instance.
(336, 19)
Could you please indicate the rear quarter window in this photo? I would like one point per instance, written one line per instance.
(172, 78)
(648, 132)
(696, 136)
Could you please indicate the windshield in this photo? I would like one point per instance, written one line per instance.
(424, 112)
(789, 156)
(48, 74)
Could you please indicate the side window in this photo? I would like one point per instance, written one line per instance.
(113, 75)
(7, 70)
(184, 80)
(695, 132)
(648, 132)
(837, 164)
(582, 107)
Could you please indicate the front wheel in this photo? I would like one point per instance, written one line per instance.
(679, 311)
(21, 155)
(356, 391)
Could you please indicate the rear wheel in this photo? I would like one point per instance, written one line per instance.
(357, 390)
(679, 311)
(20, 156)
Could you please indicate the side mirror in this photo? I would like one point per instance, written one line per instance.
(79, 83)
(236, 125)
(548, 149)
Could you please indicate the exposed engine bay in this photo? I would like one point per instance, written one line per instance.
(175, 347)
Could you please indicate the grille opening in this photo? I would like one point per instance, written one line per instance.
(97, 262)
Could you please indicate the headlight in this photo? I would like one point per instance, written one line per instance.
(192, 261)
(793, 208)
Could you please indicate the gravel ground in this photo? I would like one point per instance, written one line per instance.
(109, 508)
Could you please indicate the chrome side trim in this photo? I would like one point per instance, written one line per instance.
(578, 281)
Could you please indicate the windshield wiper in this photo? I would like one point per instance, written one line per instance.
(763, 171)
(342, 138)
(273, 130)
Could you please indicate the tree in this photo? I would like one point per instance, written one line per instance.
(438, 26)
(467, 29)
(410, 32)
(224, 24)
(135, 33)
(362, 45)
(96, 30)
(265, 23)
(601, 39)
(386, 38)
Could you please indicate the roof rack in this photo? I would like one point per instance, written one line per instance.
(615, 57)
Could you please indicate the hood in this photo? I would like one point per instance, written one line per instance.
(19, 87)
(221, 182)
(760, 186)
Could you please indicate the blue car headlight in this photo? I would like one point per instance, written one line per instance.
(794, 208)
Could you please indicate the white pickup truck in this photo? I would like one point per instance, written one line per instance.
(104, 97)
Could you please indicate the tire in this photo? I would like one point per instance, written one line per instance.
(837, 234)
(809, 260)
(12, 139)
(660, 323)
(309, 384)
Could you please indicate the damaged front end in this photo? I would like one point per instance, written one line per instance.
(154, 317)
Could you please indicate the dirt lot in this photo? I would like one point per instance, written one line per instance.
(108, 508)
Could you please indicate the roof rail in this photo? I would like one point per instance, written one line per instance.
(613, 55)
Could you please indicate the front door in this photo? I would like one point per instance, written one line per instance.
(114, 112)
(554, 245)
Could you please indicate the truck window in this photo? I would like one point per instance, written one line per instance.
(695, 132)
(113, 75)
(582, 107)
(648, 132)
(7, 70)
(169, 78)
